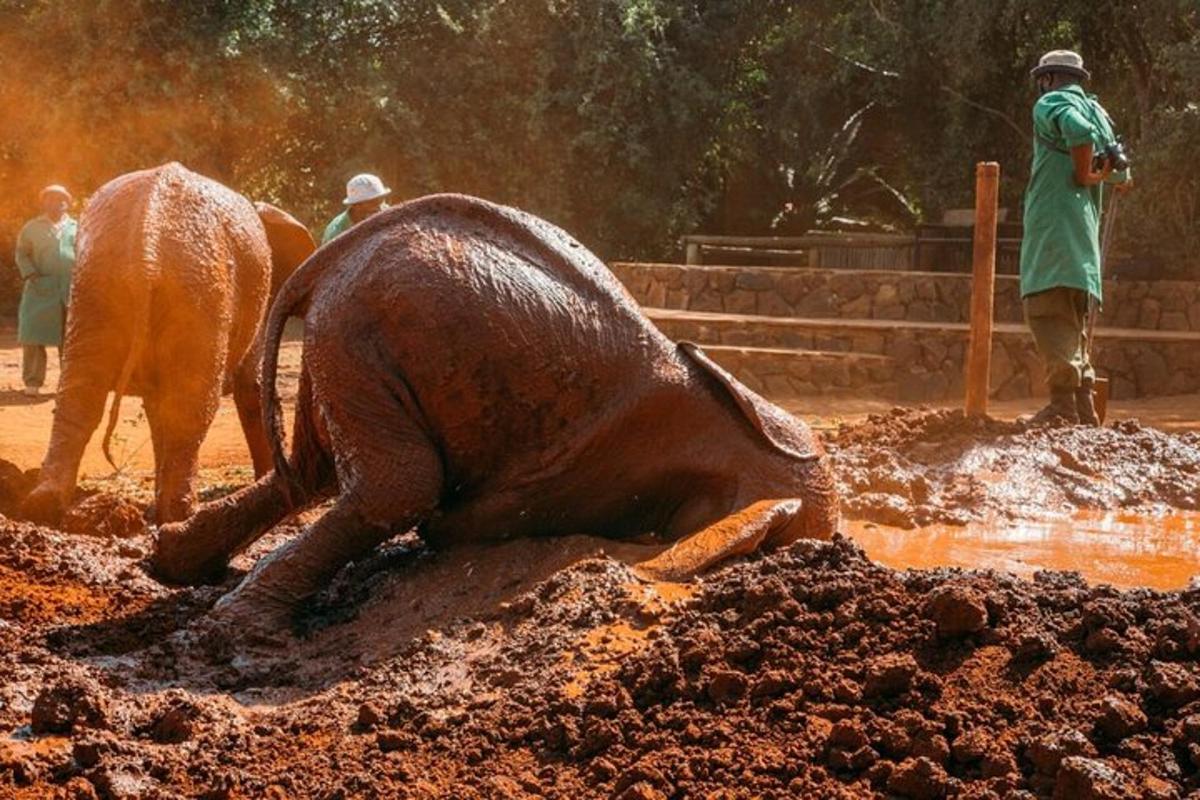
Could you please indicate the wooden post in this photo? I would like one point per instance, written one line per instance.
(983, 282)
(693, 253)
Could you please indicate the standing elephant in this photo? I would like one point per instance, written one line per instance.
(172, 282)
(474, 372)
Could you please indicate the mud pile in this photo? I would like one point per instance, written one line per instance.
(915, 467)
(15, 484)
(544, 669)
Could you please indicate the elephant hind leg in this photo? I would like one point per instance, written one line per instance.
(179, 411)
(765, 523)
(199, 548)
(88, 374)
(390, 476)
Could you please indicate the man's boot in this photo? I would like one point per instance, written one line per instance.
(1060, 410)
(1085, 404)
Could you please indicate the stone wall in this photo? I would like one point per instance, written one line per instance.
(887, 295)
(925, 363)
(784, 375)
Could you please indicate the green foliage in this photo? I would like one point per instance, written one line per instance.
(628, 122)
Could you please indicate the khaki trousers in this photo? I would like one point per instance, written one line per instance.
(1057, 318)
(33, 365)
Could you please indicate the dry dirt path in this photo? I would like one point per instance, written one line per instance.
(25, 422)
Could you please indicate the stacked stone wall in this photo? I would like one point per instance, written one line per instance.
(886, 295)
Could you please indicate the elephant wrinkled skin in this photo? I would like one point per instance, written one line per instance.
(472, 371)
(173, 278)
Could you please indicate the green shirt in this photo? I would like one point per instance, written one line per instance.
(337, 226)
(45, 257)
(1061, 244)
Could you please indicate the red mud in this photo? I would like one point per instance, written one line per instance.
(545, 668)
(908, 468)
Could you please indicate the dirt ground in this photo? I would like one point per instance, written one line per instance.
(25, 422)
(547, 669)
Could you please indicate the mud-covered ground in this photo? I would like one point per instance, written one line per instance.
(546, 669)
(908, 468)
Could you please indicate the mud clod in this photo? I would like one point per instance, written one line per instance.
(889, 675)
(918, 779)
(1119, 718)
(174, 723)
(727, 686)
(1089, 779)
(15, 484)
(65, 707)
(1172, 685)
(1033, 646)
(106, 515)
(957, 611)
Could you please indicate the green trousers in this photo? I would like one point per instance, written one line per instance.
(1057, 318)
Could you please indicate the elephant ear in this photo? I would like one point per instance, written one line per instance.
(781, 430)
(290, 242)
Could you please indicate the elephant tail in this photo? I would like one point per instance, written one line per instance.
(141, 333)
(292, 297)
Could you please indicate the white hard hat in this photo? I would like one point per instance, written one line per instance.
(55, 188)
(364, 188)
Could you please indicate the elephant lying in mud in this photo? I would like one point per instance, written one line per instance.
(472, 371)
(173, 279)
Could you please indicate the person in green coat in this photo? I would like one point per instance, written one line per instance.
(365, 195)
(45, 257)
(1061, 283)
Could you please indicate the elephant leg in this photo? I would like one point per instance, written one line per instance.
(83, 390)
(199, 548)
(765, 523)
(248, 399)
(179, 411)
(298, 569)
(390, 476)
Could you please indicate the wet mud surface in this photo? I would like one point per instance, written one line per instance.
(547, 669)
(909, 468)
(550, 671)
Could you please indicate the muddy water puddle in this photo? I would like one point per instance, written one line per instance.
(1122, 549)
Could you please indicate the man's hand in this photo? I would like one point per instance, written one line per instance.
(1125, 186)
(1083, 158)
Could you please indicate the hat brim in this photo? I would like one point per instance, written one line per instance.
(348, 202)
(63, 193)
(1078, 72)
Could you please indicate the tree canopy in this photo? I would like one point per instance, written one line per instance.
(628, 122)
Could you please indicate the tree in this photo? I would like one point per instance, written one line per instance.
(628, 122)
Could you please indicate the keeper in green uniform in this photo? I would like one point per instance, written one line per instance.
(45, 257)
(365, 196)
(1060, 253)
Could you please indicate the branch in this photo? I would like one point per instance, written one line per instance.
(1005, 118)
(855, 63)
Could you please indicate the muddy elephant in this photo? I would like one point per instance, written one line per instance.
(173, 278)
(472, 371)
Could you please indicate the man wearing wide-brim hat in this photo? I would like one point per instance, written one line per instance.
(1060, 252)
(365, 196)
(45, 257)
